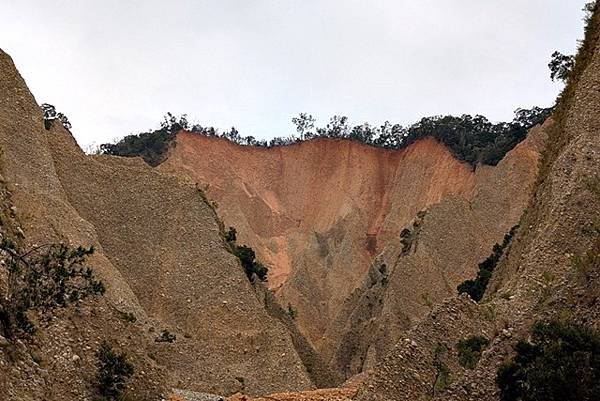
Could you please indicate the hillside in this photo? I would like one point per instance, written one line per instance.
(161, 257)
(324, 214)
(367, 249)
(550, 271)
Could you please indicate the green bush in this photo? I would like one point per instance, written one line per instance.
(293, 313)
(476, 288)
(246, 255)
(113, 372)
(151, 146)
(470, 350)
(127, 316)
(249, 263)
(51, 115)
(560, 363)
(43, 279)
(474, 139)
(561, 66)
(406, 240)
(231, 235)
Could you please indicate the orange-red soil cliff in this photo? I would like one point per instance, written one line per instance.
(319, 214)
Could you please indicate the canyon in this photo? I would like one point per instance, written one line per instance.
(365, 249)
(325, 215)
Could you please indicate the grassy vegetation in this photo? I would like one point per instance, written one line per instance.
(470, 350)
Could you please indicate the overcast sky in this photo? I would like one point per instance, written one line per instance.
(117, 66)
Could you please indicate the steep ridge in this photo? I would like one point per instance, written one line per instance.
(315, 211)
(445, 245)
(165, 240)
(46, 367)
(160, 254)
(323, 214)
(540, 278)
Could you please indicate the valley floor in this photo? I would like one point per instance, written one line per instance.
(344, 393)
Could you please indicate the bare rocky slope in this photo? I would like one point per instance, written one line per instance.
(366, 247)
(551, 270)
(161, 256)
(326, 216)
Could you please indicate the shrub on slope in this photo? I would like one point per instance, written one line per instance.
(560, 363)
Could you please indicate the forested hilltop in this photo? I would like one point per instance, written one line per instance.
(472, 139)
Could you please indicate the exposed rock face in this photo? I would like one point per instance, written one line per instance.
(165, 241)
(540, 277)
(444, 246)
(161, 257)
(325, 214)
(366, 245)
(44, 215)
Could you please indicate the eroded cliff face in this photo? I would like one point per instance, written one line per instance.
(445, 244)
(549, 271)
(311, 187)
(161, 258)
(323, 214)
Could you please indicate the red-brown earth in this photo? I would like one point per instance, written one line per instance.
(320, 214)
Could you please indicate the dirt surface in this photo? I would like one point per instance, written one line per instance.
(59, 362)
(323, 214)
(539, 278)
(162, 259)
(351, 294)
(335, 394)
(344, 392)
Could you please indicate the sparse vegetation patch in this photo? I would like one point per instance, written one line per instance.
(476, 288)
(560, 363)
(42, 279)
(247, 257)
(165, 337)
(127, 316)
(113, 371)
(248, 260)
(51, 115)
(470, 350)
(292, 312)
(443, 376)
